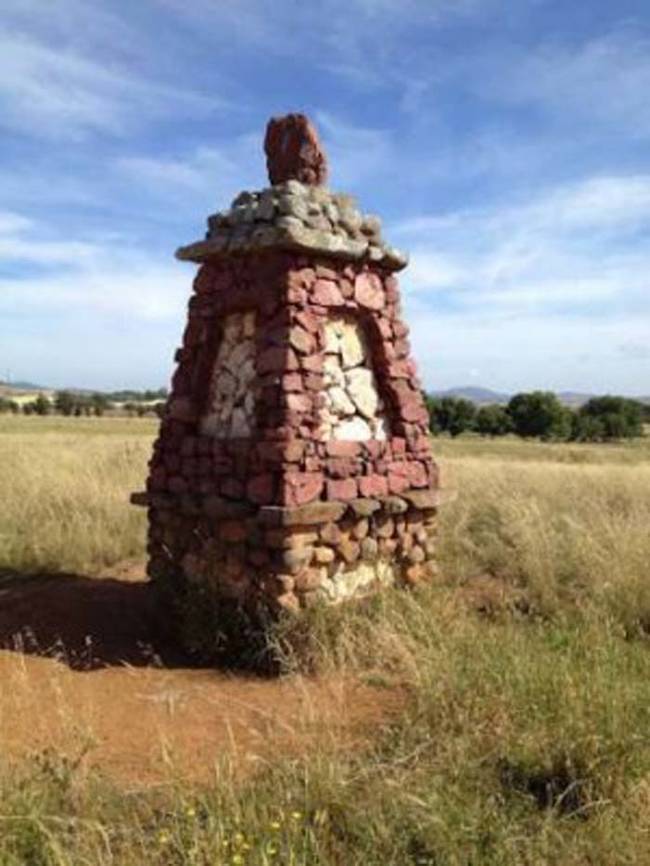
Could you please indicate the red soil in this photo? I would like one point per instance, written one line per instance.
(81, 667)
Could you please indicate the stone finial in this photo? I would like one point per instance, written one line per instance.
(293, 151)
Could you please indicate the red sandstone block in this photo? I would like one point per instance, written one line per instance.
(326, 293)
(301, 340)
(342, 467)
(313, 382)
(342, 490)
(177, 484)
(204, 280)
(326, 273)
(276, 360)
(347, 288)
(231, 488)
(308, 321)
(172, 463)
(260, 489)
(385, 327)
(301, 278)
(417, 474)
(401, 329)
(233, 530)
(399, 370)
(182, 409)
(157, 479)
(398, 479)
(299, 402)
(374, 448)
(368, 291)
(299, 488)
(343, 449)
(312, 363)
(296, 295)
(373, 485)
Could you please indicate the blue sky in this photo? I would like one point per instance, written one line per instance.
(505, 144)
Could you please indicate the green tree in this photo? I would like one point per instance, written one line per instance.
(7, 405)
(433, 408)
(493, 421)
(64, 402)
(454, 415)
(540, 414)
(587, 429)
(100, 404)
(611, 417)
(42, 405)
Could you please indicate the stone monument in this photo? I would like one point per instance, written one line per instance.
(293, 464)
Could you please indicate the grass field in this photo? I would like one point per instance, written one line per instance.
(524, 737)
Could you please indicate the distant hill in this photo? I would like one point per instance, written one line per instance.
(485, 396)
(24, 386)
(480, 396)
(474, 393)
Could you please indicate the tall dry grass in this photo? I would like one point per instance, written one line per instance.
(525, 735)
(64, 488)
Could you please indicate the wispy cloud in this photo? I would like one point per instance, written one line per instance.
(60, 92)
(573, 248)
(91, 276)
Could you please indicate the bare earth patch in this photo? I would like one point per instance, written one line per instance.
(82, 669)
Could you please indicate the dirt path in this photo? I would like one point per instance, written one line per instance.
(83, 672)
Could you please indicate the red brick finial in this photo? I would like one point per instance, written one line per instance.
(293, 151)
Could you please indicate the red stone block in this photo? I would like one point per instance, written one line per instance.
(373, 485)
(398, 478)
(343, 490)
(417, 474)
(301, 340)
(298, 402)
(326, 273)
(298, 488)
(276, 360)
(260, 489)
(343, 448)
(231, 488)
(177, 484)
(368, 291)
(312, 363)
(308, 321)
(326, 293)
(342, 467)
(292, 382)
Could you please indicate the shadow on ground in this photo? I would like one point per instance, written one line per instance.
(85, 622)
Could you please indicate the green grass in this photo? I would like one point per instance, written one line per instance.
(525, 733)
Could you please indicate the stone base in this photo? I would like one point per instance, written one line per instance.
(227, 568)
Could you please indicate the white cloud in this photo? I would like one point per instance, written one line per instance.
(573, 246)
(89, 277)
(48, 91)
(604, 80)
(530, 351)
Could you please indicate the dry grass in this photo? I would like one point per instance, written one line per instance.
(65, 486)
(524, 739)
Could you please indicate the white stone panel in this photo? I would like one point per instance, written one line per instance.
(231, 406)
(353, 408)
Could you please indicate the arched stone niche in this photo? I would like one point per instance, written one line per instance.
(230, 409)
(353, 408)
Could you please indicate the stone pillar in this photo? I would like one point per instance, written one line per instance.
(293, 463)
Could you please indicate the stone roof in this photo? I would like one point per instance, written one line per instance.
(297, 217)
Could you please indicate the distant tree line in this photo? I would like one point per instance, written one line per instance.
(76, 404)
(540, 415)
